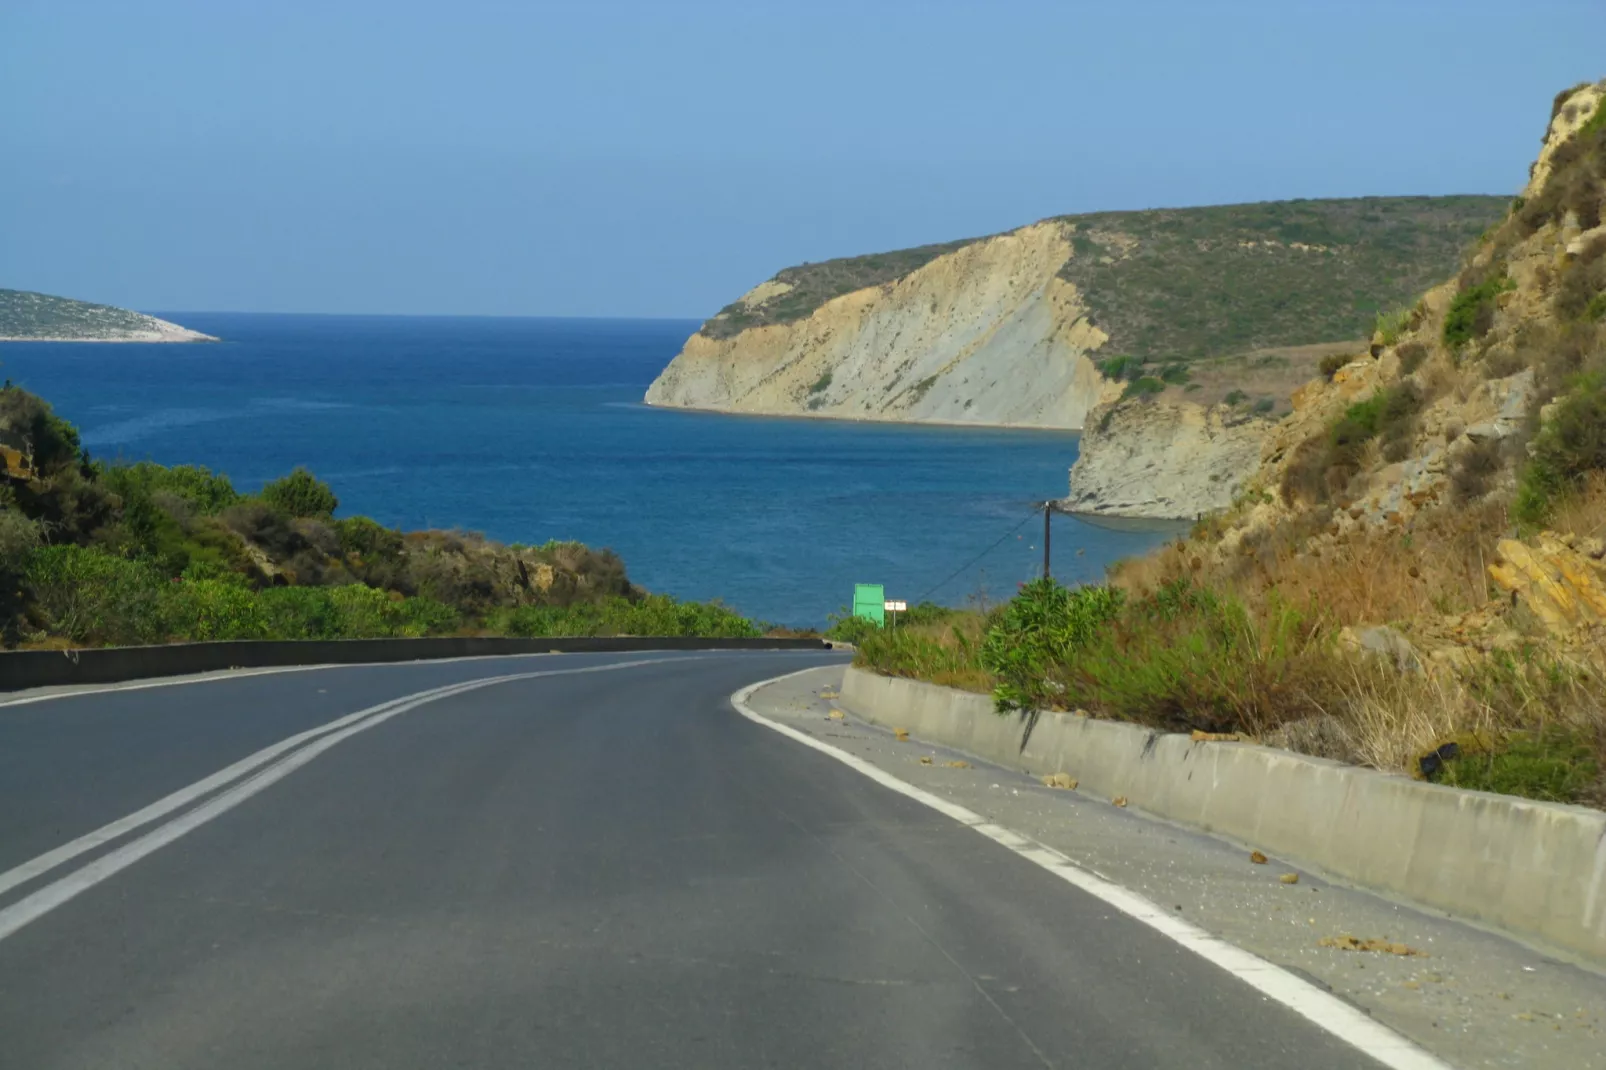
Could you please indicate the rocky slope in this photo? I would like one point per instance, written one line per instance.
(34, 317)
(1451, 409)
(1166, 460)
(1464, 458)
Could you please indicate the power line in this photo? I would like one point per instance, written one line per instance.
(971, 563)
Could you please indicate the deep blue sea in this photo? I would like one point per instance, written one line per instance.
(533, 429)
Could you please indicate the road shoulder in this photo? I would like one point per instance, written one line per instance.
(1472, 997)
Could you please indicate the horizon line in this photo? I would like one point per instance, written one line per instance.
(162, 313)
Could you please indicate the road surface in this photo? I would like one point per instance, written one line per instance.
(600, 868)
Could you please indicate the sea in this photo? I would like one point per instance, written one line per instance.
(530, 429)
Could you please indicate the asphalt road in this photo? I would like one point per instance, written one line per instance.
(590, 869)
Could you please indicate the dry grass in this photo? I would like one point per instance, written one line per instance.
(1584, 513)
(1389, 718)
(1373, 713)
(1265, 373)
(943, 652)
(1437, 568)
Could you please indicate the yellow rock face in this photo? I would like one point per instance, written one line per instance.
(1564, 588)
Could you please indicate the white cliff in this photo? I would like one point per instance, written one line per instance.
(986, 334)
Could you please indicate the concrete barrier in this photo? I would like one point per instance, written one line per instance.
(1535, 869)
(107, 665)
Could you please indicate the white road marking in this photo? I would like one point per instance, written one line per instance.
(34, 867)
(236, 674)
(1323, 1009)
(53, 895)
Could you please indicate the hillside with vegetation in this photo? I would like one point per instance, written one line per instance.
(1414, 577)
(26, 316)
(1187, 284)
(797, 291)
(116, 554)
(1041, 326)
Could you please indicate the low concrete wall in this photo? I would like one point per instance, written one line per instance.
(105, 665)
(1535, 869)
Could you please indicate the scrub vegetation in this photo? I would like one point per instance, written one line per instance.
(110, 554)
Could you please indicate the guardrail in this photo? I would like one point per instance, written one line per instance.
(1536, 869)
(21, 669)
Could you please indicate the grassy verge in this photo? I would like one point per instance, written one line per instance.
(1179, 653)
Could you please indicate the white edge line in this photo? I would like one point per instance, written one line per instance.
(1321, 1008)
(53, 895)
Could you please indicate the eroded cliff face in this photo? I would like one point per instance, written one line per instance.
(1165, 460)
(987, 334)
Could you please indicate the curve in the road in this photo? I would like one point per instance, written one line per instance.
(594, 865)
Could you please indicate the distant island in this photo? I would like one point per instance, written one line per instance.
(34, 317)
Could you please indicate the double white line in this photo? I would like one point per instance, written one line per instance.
(243, 779)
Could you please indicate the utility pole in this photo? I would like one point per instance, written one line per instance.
(1048, 511)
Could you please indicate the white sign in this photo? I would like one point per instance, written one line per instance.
(895, 607)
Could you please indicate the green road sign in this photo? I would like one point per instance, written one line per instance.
(869, 602)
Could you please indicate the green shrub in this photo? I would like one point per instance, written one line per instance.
(1595, 311)
(1323, 466)
(1143, 386)
(301, 494)
(1265, 405)
(1182, 657)
(90, 596)
(1332, 363)
(368, 538)
(1390, 325)
(1571, 443)
(1121, 368)
(300, 613)
(656, 615)
(845, 627)
(1386, 413)
(1176, 374)
(1236, 397)
(167, 520)
(1555, 765)
(1472, 311)
(203, 492)
(19, 537)
(821, 384)
(206, 610)
(1038, 630)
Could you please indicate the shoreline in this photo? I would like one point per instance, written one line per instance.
(978, 424)
(157, 340)
(1138, 522)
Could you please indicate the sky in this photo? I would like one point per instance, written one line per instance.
(658, 159)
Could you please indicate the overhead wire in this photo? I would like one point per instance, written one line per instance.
(973, 561)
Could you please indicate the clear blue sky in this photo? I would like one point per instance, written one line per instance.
(656, 159)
